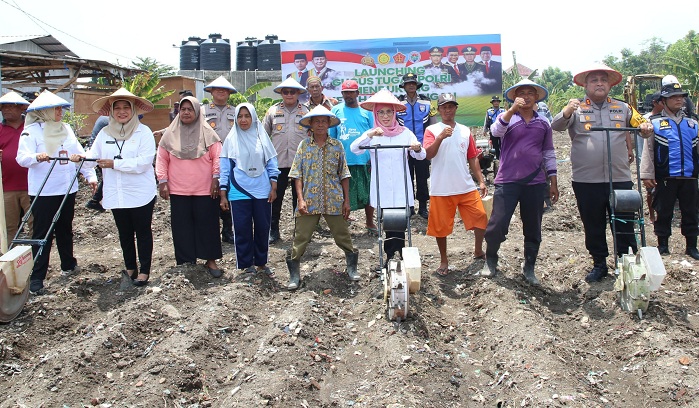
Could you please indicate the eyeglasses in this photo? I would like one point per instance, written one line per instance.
(288, 91)
(385, 113)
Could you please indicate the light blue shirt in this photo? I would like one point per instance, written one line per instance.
(353, 123)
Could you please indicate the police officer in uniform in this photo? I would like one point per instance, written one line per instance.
(436, 68)
(588, 157)
(674, 176)
(221, 116)
(416, 117)
(282, 125)
(490, 115)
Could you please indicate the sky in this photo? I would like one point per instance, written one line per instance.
(542, 33)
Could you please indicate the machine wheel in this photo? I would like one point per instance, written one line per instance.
(11, 305)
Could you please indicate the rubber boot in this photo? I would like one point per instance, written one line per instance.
(599, 270)
(227, 228)
(692, 247)
(352, 258)
(294, 273)
(530, 253)
(663, 247)
(490, 269)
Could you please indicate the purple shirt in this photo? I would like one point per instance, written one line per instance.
(527, 155)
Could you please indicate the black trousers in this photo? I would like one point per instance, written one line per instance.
(593, 204)
(419, 174)
(531, 209)
(194, 221)
(282, 184)
(44, 210)
(495, 141)
(136, 221)
(251, 221)
(667, 192)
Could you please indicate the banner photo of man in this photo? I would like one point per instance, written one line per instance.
(469, 66)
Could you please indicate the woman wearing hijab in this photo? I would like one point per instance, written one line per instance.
(125, 149)
(187, 169)
(44, 137)
(393, 166)
(248, 181)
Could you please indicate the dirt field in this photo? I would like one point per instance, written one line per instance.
(188, 340)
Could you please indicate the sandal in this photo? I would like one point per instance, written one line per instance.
(373, 231)
(481, 256)
(442, 271)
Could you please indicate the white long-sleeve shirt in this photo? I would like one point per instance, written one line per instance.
(392, 167)
(31, 143)
(131, 183)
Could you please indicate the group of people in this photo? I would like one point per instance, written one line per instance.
(217, 161)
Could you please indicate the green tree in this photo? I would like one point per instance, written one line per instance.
(648, 61)
(555, 80)
(682, 60)
(153, 66)
(252, 96)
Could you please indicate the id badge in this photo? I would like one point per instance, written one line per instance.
(63, 153)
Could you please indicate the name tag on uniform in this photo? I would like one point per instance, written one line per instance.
(111, 142)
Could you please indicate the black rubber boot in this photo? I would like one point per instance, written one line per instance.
(352, 258)
(598, 272)
(273, 235)
(294, 273)
(692, 247)
(663, 246)
(531, 251)
(227, 228)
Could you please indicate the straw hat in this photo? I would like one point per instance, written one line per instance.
(104, 104)
(220, 82)
(382, 97)
(47, 99)
(614, 76)
(319, 111)
(290, 83)
(541, 92)
(13, 98)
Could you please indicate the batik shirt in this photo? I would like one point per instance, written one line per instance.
(321, 169)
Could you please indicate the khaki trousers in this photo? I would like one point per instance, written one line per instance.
(16, 204)
(306, 224)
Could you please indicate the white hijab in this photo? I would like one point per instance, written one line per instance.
(251, 148)
(55, 133)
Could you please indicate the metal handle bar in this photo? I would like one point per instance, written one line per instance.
(378, 146)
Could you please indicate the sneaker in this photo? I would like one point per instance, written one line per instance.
(76, 269)
(422, 212)
(94, 205)
(36, 288)
(597, 273)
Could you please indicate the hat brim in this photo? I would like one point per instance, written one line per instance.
(541, 92)
(103, 105)
(674, 93)
(614, 76)
(306, 120)
(418, 83)
(384, 97)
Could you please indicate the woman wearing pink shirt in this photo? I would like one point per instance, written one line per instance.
(187, 168)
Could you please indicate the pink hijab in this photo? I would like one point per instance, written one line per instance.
(395, 129)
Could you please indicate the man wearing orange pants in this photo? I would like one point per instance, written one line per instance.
(452, 149)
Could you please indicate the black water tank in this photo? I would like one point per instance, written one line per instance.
(189, 54)
(269, 56)
(246, 55)
(215, 54)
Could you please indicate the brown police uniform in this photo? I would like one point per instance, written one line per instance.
(221, 119)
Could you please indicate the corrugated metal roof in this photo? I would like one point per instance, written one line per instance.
(47, 43)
